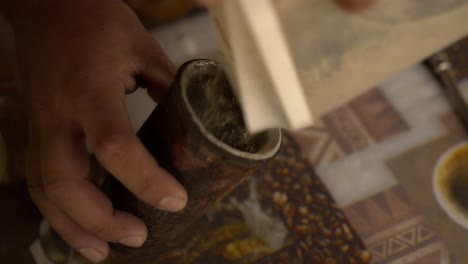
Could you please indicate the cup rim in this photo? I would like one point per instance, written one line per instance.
(274, 135)
(458, 217)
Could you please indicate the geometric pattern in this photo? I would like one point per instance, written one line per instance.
(300, 202)
(366, 121)
(318, 145)
(410, 236)
(282, 214)
(346, 128)
(418, 178)
(378, 115)
(405, 241)
(435, 254)
(380, 211)
(350, 128)
(371, 123)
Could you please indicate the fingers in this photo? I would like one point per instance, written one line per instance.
(157, 70)
(87, 244)
(355, 5)
(65, 168)
(91, 209)
(111, 137)
(74, 235)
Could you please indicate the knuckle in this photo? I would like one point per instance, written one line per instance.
(33, 185)
(144, 186)
(98, 229)
(54, 188)
(34, 190)
(113, 147)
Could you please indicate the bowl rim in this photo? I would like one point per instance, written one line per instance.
(450, 209)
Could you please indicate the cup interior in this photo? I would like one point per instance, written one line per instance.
(450, 183)
(213, 104)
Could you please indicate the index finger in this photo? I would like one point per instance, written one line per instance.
(110, 135)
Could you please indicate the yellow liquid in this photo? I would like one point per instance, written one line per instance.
(453, 178)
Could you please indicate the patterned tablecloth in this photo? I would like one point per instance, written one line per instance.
(281, 214)
(383, 146)
(374, 156)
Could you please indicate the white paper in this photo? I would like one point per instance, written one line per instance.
(292, 60)
(262, 74)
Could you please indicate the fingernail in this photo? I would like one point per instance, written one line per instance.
(172, 204)
(133, 241)
(92, 254)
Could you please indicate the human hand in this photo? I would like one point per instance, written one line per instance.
(78, 59)
(349, 5)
